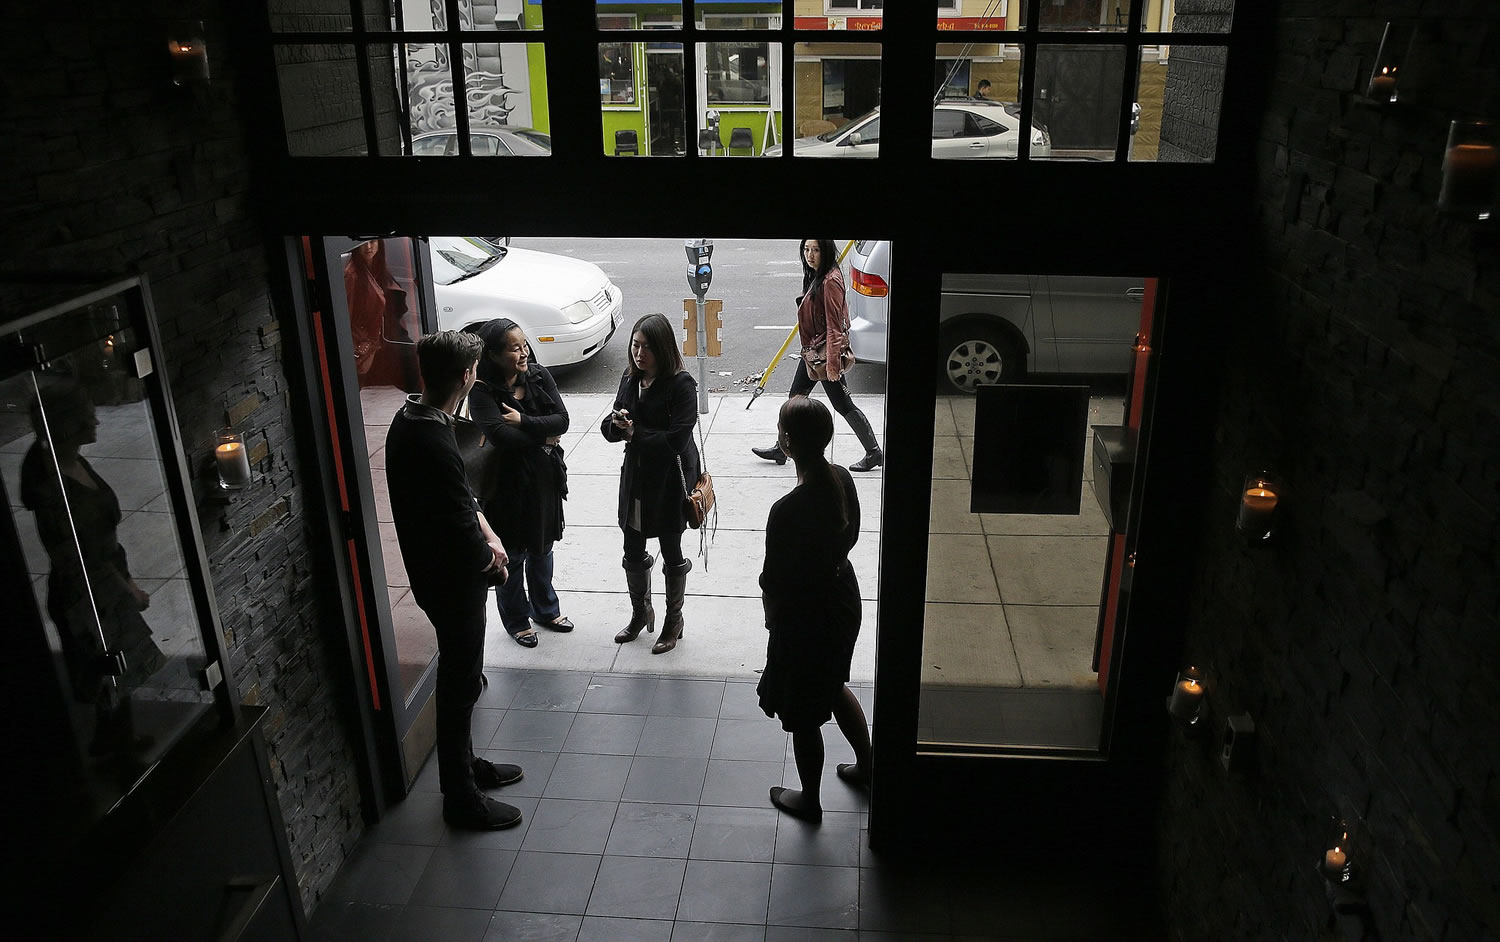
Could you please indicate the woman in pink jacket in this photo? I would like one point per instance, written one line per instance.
(823, 327)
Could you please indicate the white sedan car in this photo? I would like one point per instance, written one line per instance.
(569, 308)
(962, 129)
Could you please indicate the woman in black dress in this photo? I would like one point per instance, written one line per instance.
(655, 412)
(91, 596)
(517, 404)
(811, 599)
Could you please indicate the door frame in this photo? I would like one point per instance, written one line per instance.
(403, 726)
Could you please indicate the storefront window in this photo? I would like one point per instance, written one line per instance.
(844, 6)
(616, 74)
(738, 73)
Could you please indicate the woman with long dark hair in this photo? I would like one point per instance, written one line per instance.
(811, 599)
(823, 327)
(517, 404)
(654, 414)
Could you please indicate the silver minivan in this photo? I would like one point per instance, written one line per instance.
(997, 328)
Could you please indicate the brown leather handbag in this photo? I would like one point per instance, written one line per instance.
(697, 501)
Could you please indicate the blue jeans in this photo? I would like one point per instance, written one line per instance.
(528, 571)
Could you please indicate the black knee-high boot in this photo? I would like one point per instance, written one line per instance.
(874, 457)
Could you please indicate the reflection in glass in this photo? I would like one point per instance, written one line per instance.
(87, 494)
(1162, 16)
(663, 15)
(385, 324)
(1077, 100)
(1084, 15)
(320, 103)
(1178, 98)
(834, 84)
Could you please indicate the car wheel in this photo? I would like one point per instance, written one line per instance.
(978, 354)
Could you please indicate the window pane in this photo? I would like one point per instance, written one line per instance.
(320, 100)
(838, 15)
(764, 16)
(977, 115)
(980, 69)
(656, 125)
(837, 87)
(429, 88)
(1179, 95)
(1012, 603)
(1077, 101)
(741, 87)
(975, 15)
(612, 14)
(1207, 16)
(617, 74)
(307, 16)
(1084, 15)
(499, 80)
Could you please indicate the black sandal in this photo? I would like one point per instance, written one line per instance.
(526, 639)
(561, 623)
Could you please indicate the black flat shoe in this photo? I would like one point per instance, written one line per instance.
(489, 774)
(561, 623)
(810, 815)
(774, 453)
(479, 813)
(526, 639)
(849, 772)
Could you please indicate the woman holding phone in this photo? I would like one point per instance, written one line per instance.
(654, 414)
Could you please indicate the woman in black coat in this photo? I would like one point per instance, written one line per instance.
(654, 414)
(517, 404)
(811, 598)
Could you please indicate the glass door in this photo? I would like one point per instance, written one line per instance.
(380, 305)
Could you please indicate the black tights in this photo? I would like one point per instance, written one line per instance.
(671, 546)
(837, 389)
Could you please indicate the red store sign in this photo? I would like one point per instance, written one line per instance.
(852, 23)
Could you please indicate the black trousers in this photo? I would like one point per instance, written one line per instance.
(457, 614)
(671, 546)
(837, 389)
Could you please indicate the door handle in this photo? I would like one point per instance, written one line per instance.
(1135, 294)
(976, 145)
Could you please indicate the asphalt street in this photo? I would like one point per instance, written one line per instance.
(758, 281)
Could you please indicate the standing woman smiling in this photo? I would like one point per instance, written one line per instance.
(654, 415)
(517, 404)
(823, 327)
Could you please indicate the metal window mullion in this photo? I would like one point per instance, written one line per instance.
(788, 41)
(691, 106)
(366, 94)
(1028, 78)
(455, 43)
(1129, 92)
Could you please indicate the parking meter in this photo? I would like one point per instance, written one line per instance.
(700, 273)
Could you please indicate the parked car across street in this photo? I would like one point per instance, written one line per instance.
(997, 328)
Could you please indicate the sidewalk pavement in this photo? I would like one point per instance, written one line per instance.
(1012, 600)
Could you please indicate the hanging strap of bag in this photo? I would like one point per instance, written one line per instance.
(700, 505)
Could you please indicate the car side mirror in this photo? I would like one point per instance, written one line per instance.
(854, 140)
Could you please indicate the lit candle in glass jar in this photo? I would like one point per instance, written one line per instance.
(232, 460)
(1257, 507)
(1383, 85)
(1186, 697)
(1470, 167)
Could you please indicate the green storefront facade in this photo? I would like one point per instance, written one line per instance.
(641, 84)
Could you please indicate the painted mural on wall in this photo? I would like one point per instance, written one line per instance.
(429, 80)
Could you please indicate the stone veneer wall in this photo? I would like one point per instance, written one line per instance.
(109, 167)
(1363, 365)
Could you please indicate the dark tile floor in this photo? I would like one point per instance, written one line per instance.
(647, 818)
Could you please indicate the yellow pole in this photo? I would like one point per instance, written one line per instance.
(760, 387)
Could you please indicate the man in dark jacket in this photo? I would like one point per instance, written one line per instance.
(452, 558)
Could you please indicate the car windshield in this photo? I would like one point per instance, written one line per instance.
(457, 259)
(836, 132)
